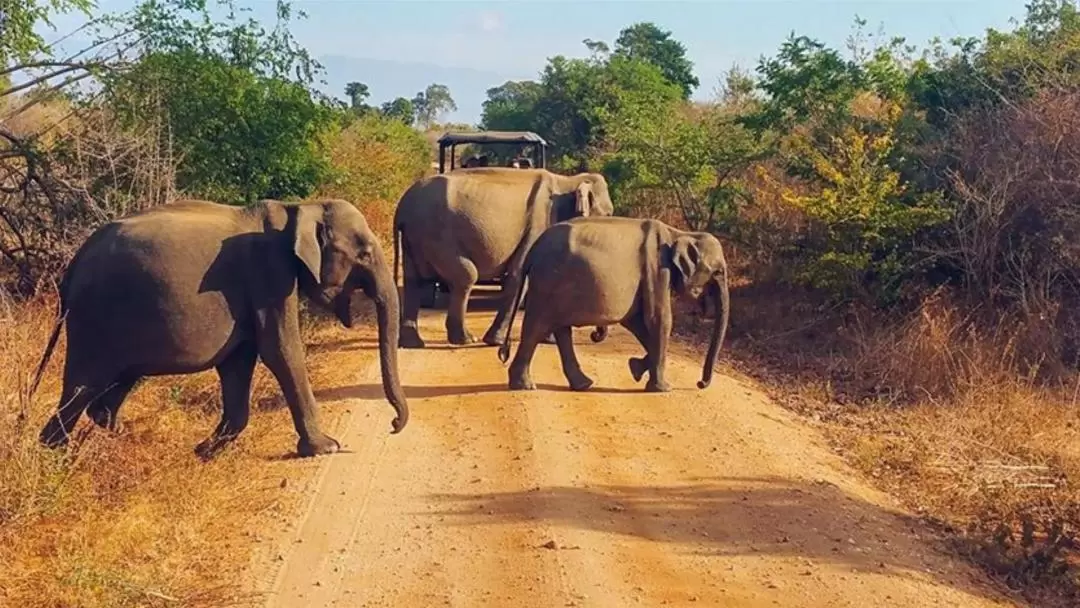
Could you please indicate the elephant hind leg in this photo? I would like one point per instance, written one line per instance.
(105, 410)
(461, 274)
(570, 365)
(235, 373)
(74, 399)
(413, 293)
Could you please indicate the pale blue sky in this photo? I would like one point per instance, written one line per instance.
(508, 39)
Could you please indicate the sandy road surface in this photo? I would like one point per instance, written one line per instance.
(613, 497)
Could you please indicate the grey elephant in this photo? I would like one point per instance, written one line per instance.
(605, 270)
(194, 285)
(478, 224)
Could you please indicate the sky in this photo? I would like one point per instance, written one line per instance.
(398, 47)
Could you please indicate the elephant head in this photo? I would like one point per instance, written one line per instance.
(591, 196)
(341, 253)
(699, 272)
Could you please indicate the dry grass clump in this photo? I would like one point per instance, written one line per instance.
(135, 519)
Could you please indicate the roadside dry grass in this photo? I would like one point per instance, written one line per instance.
(942, 414)
(136, 519)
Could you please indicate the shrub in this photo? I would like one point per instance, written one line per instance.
(374, 160)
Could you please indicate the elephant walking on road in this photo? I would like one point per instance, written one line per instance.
(478, 224)
(599, 271)
(191, 285)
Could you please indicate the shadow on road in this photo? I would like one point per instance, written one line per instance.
(723, 517)
(374, 391)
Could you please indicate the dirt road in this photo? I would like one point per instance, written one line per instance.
(613, 497)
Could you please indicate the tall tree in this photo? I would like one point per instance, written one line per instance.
(511, 106)
(431, 103)
(358, 93)
(402, 109)
(647, 42)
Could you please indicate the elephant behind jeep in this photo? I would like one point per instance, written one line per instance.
(478, 224)
(191, 285)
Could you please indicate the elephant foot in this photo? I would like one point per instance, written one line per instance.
(105, 418)
(321, 444)
(207, 449)
(53, 434)
(410, 338)
(461, 339)
(638, 368)
(494, 338)
(522, 384)
(580, 382)
(599, 334)
(653, 386)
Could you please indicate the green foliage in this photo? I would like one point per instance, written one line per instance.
(241, 136)
(696, 154)
(358, 92)
(511, 105)
(862, 215)
(647, 42)
(374, 159)
(243, 128)
(432, 102)
(19, 42)
(400, 109)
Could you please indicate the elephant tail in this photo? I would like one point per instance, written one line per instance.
(61, 316)
(397, 243)
(504, 348)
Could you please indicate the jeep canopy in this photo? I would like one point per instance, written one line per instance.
(452, 139)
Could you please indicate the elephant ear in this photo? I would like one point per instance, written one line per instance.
(684, 258)
(583, 199)
(309, 237)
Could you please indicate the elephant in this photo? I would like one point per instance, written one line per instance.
(605, 270)
(193, 285)
(478, 224)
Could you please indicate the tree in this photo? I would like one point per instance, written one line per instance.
(19, 42)
(358, 93)
(401, 109)
(237, 101)
(241, 136)
(583, 99)
(432, 102)
(511, 106)
(647, 42)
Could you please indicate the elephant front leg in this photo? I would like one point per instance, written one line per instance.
(570, 364)
(649, 363)
(659, 334)
(282, 351)
(235, 373)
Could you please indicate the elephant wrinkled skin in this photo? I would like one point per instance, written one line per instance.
(191, 285)
(599, 271)
(478, 224)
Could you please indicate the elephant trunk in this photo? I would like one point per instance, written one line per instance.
(720, 287)
(387, 312)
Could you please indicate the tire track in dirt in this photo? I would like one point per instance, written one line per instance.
(710, 498)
